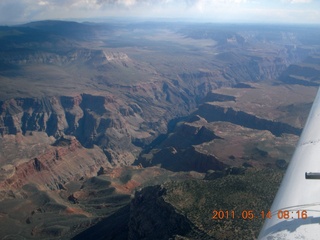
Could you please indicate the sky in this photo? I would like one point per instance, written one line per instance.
(235, 11)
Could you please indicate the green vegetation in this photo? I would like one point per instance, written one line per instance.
(197, 199)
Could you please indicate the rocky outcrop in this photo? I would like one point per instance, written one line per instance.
(151, 217)
(304, 74)
(177, 151)
(216, 97)
(189, 159)
(212, 112)
(186, 134)
(67, 160)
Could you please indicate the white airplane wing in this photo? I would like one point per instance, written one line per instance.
(295, 212)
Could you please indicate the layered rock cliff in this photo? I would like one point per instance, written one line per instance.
(213, 113)
(233, 129)
(52, 166)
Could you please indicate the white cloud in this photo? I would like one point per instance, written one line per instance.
(43, 3)
(296, 1)
(300, 1)
(216, 10)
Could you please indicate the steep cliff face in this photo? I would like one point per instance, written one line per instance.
(101, 120)
(213, 112)
(306, 73)
(189, 159)
(63, 161)
(230, 130)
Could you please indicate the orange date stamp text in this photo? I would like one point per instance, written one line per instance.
(251, 214)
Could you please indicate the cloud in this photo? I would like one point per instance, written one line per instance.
(132, 2)
(300, 1)
(7, 9)
(297, 1)
(215, 10)
(14, 10)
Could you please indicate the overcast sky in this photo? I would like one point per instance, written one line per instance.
(259, 11)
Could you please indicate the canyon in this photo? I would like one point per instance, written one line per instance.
(105, 126)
